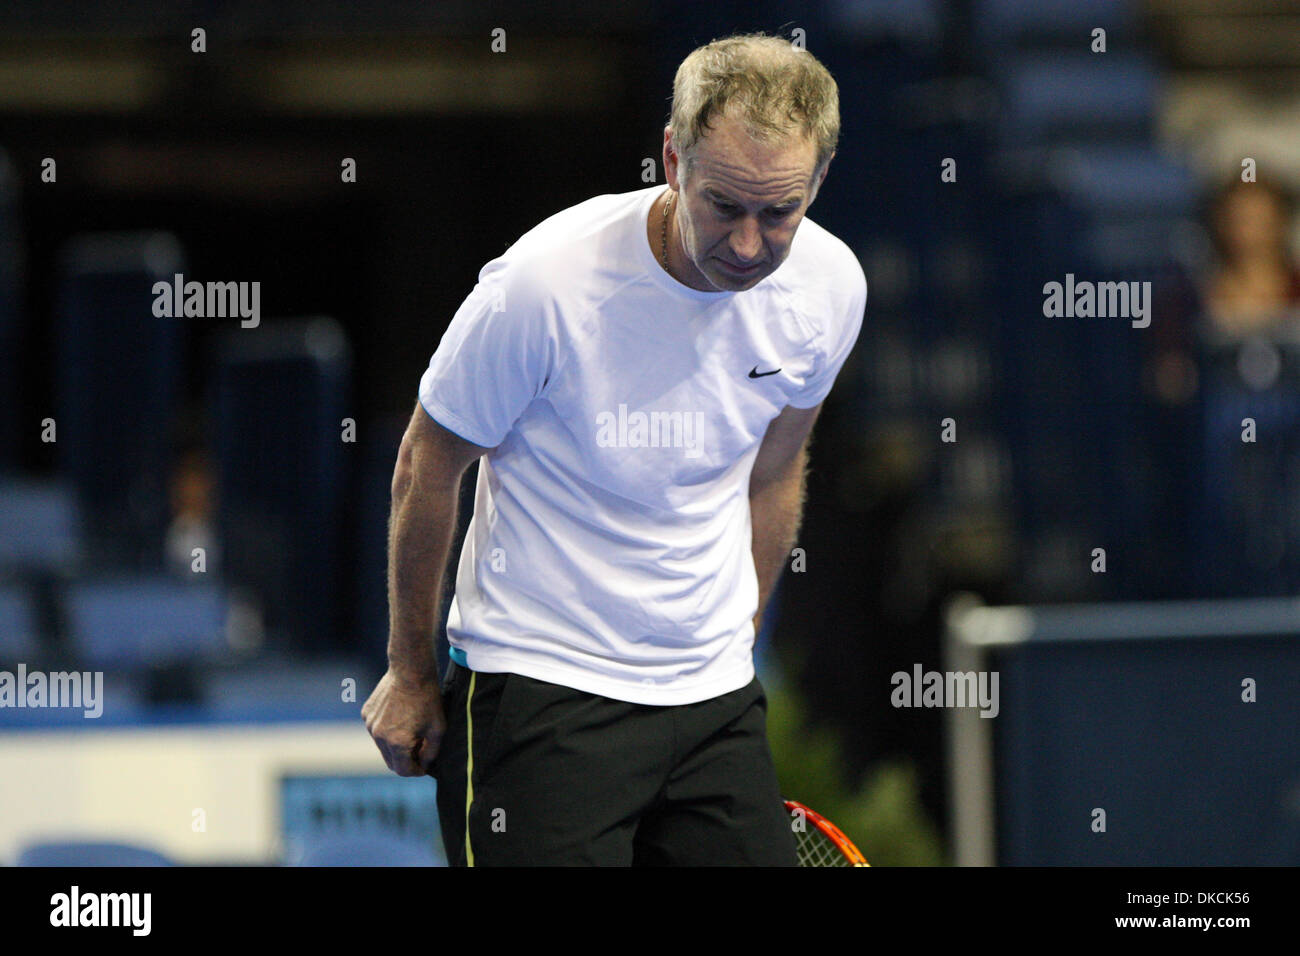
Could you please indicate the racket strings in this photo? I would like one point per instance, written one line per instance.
(817, 849)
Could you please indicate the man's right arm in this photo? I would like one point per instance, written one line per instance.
(404, 714)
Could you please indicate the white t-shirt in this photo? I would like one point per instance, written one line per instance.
(609, 549)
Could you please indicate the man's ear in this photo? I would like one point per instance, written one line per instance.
(672, 161)
(821, 178)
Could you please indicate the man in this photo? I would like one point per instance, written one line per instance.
(639, 375)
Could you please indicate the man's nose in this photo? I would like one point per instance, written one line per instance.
(746, 241)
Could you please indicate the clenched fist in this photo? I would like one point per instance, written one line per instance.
(405, 719)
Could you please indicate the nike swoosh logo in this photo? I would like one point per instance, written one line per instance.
(755, 373)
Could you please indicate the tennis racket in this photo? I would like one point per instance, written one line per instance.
(820, 842)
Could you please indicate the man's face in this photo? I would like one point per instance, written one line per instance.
(740, 204)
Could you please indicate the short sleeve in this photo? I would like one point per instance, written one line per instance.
(495, 357)
(841, 334)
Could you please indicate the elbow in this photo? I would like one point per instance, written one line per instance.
(401, 483)
(403, 472)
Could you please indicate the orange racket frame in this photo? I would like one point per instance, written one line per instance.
(831, 831)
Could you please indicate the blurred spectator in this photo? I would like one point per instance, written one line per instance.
(1255, 285)
(1250, 287)
(193, 508)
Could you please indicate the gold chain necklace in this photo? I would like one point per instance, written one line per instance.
(665, 234)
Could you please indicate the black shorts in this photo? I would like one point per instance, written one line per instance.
(544, 775)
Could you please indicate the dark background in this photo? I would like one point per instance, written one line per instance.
(1068, 161)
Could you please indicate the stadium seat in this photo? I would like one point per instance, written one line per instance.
(40, 526)
(279, 401)
(12, 256)
(19, 627)
(376, 849)
(1004, 23)
(117, 383)
(145, 621)
(1076, 97)
(919, 20)
(55, 853)
(281, 689)
(1124, 179)
(1139, 206)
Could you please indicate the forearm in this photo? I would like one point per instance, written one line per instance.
(419, 539)
(776, 510)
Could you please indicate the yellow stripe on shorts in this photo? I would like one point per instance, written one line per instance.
(469, 765)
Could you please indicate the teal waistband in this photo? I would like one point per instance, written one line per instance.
(459, 657)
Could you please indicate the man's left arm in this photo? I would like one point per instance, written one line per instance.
(776, 495)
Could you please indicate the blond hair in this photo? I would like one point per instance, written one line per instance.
(778, 88)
